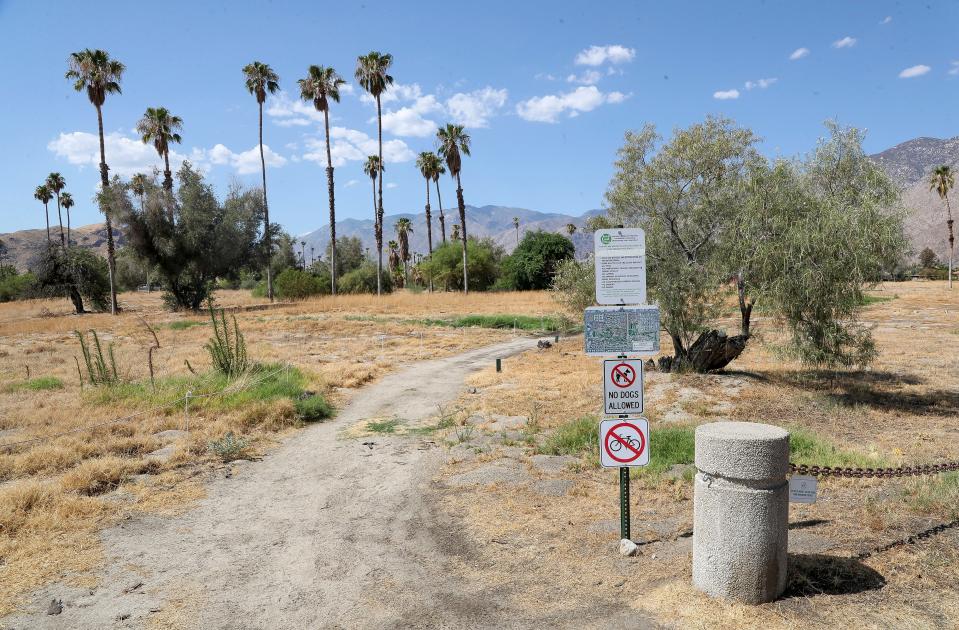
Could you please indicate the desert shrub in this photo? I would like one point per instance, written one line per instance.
(227, 348)
(13, 285)
(574, 285)
(293, 284)
(229, 447)
(312, 408)
(535, 260)
(363, 280)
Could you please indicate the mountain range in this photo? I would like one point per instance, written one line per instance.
(908, 164)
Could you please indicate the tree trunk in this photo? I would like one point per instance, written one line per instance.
(439, 200)
(111, 253)
(379, 208)
(68, 227)
(329, 185)
(462, 207)
(952, 238)
(167, 174)
(63, 239)
(46, 211)
(429, 233)
(266, 217)
(77, 300)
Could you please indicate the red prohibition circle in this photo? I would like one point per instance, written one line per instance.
(615, 370)
(637, 452)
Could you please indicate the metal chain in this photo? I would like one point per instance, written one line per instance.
(858, 473)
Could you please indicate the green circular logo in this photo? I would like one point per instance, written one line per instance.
(606, 239)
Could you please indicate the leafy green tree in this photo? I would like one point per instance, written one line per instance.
(15, 286)
(349, 255)
(98, 74)
(42, 194)
(714, 210)
(372, 73)
(193, 239)
(260, 80)
(574, 284)
(533, 263)
(132, 271)
(55, 183)
(942, 181)
(77, 273)
(484, 258)
(454, 143)
(928, 259)
(321, 86)
(363, 280)
(159, 127)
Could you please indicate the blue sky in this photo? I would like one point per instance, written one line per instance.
(546, 90)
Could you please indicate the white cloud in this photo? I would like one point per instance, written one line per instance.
(289, 112)
(128, 155)
(589, 77)
(409, 120)
(914, 71)
(474, 109)
(762, 84)
(349, 145)
(351, 183)
(545, 76)
(548, 108)
(845, 42)
(725, 95)
(395, 92)
(598, 55)
(391, 185)
(954, 67)
(799, 53)
(886, 20)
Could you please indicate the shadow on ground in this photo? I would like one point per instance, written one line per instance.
(817, 574)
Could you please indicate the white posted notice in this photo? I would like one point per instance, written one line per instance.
(620, 258)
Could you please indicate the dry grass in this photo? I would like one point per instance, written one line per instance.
(55, 495)
(902, 410)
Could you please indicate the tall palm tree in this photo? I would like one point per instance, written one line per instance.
(440, 170)
(373, 169)
(138, 185)
(455, 143)
(394, 257)
(371, 73)
(261, 79)
(42, 194)
(160, 127)
(56, 183)
(429, 165)
(455, 232)
(942, 181)
(570, 228)
(95, 72)
(516, 225)
(322, 85)
(404, 227)
(66, 199)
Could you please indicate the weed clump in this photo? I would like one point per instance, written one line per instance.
(227, 350)
(228, 448)
(100, 370)
(38, 384)
(312, 408)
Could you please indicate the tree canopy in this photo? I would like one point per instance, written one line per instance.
(533, 263)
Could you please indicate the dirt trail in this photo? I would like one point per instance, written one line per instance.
(322, 533)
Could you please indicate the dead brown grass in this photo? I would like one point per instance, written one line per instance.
(903, 409)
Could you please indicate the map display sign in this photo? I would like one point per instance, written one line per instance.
(620, 258)
(615, 330)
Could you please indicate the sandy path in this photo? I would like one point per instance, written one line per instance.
(322, 533)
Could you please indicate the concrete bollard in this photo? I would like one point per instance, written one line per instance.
(741, 511)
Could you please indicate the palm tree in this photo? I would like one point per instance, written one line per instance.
(516, 225)
(56, 183)
(404, 227)
(42, 194)
(95, 72)
(322, 85)
(942, 181)
(160, 127)
(373, 169)
(66, 199)
(454, 143)
(441, 170)
(570, 228)
(455, 232)
(429, 165)
(394, 259)
(371, 73)
(138, 185)
(261, 79)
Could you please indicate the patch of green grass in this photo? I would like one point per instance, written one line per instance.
(445, 422)
(573, 438)
(38, 384)
(670, 446)
(934, 494)
(385, 426)
(810, 449)
(868, 300)
(183, 324)
(313, 408)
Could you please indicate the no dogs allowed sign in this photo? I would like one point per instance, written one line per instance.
(624, 443)
(622, 387)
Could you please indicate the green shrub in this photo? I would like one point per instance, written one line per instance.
(574, 285)
(534, 262)
(446, 264)
(227, 351)
(294, 284)
(36, 384)
(312, 408)
(363, 280)
(13, 285)
(228, 448)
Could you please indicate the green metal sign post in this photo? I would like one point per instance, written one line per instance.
(624, 503)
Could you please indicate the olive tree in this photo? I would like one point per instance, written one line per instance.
(801, 240)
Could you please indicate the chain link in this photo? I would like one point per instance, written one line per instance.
(859, 473)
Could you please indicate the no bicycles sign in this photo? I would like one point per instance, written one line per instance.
(622, 387)
(624, 443)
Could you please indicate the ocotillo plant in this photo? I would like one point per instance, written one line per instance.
(227, 350)
(100, 371)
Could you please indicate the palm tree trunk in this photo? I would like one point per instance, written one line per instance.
(167, 175)
(379, 209)
(329, 185)
(266, 217)
(952, 238)
(439, 200)
(105, 183)
(63, 239)
(375, 232)
(462, 206)
(429, 232)
(46, 211)
(68, 227)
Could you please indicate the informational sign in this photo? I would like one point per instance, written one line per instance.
(624, 443)
(802, 489)
(622, 387)
(613, 330)
(620, 258)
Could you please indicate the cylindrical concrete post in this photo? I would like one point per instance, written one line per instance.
(741, 511)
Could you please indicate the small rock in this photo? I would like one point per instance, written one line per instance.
(501, 423)
(553, 487)
(627, 548)
(552, 463)
(239, 462)
(162, 455)
(542, 344)
(123, 616)
(55, 607)
(171, 435)
(678, 471)
(475, 419)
